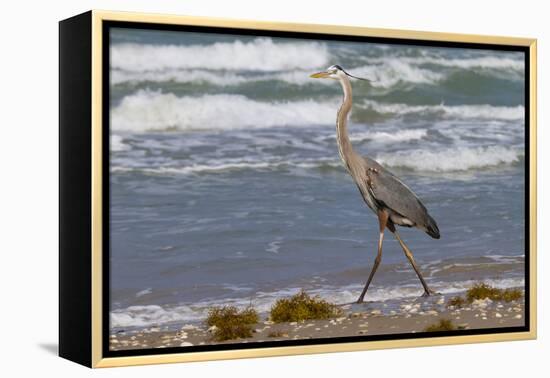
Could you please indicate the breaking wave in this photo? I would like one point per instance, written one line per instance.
(260, 54)
(389, 137)
(484, 112)
(447, 160)
(148, 110)
(452, 159)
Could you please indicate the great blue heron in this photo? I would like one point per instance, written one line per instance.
(386, 195)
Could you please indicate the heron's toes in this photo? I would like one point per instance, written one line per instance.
(430, 292)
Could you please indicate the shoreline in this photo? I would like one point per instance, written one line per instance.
(370, 318)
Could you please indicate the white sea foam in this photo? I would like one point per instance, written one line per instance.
(383, 76)
(387, 72)
(495, 62)
(274, 246)
(151, 315)
(262, 59)
(224, 165)
(480, 62)
(179, 76)
(501, 259)
(435, 269)
(147, 110)
(395, 71)
(214, 77)
(389, 137)
(483, 112)
(144, 292)
(452, 159)
(117, 143)
(350, 293)
(141, 316)
(195, 168)
(260, 54)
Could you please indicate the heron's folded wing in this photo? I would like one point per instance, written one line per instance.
(395, 195)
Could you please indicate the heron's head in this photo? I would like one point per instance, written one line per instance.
(334, 72)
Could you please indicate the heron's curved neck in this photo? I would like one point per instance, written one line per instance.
(344, 144)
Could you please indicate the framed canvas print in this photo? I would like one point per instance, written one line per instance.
(236, 189)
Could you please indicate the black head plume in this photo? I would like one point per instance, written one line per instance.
(338, 67)
(355, 77)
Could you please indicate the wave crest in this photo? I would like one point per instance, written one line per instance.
(260, 54)
(484, 111)
(448, 160)
(453, 159)
(395, 71)
(148, 110)
(389, 137)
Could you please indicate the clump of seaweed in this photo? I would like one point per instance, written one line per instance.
(510, 295)
(228, 323)
(301, 307)
(456, 302)
(483, 291)
(441, 326)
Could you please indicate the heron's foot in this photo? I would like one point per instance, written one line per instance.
(361, 299)
(429, 292)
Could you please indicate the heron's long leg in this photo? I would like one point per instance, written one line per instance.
(408, 253)
(383, 221)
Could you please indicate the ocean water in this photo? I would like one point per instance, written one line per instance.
(226, 185)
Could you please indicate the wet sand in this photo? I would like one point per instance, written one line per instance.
(409, 316)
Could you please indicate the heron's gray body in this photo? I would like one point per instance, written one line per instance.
(380, 188)
(394, 203)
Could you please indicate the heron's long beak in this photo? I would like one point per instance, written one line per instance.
(320, 75)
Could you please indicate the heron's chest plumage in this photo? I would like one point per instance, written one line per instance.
(369, 200)
(360, 175)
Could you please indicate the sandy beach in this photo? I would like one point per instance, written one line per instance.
(377, 318)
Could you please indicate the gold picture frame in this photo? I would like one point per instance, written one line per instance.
(82, 259)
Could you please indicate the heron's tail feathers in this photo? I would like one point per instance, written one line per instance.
(432, 229)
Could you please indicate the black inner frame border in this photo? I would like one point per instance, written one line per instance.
(106, 302)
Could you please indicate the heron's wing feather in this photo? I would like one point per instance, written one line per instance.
(392, 193)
